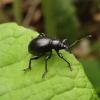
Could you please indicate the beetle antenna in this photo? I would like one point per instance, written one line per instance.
(88, 36)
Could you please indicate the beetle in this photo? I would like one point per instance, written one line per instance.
(43, 46)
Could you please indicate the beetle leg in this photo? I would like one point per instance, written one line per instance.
(64, 41)
(33, 58)
(61, 56)
(48, 56)
(42, 35)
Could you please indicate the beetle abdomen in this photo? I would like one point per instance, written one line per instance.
(40, 45)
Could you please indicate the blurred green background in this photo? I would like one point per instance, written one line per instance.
(71, 19)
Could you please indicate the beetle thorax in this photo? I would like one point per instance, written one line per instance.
(56, 44)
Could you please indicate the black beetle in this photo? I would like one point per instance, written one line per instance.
(42, 45)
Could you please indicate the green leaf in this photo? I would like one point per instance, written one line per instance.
(92, 69)
(59, 84)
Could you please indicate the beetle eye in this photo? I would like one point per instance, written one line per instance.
(66, 48)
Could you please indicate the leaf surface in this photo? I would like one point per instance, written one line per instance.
(59, 84)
